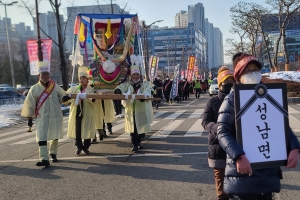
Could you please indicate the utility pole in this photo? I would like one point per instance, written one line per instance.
(39, 42)
(111, 7)
(168, 60)
(13, 80)
(146, 56)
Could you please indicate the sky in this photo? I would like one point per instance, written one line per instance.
(217, 11)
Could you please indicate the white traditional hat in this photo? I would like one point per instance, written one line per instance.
(135, 69)
(43, 67)
(83, 71)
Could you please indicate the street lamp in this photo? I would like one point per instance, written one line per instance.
(8, 44)
(146, 57)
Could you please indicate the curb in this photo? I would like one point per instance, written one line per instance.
(293, 99)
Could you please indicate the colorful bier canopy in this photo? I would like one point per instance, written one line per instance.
(114, 39)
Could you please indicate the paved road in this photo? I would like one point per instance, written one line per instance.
(173, 164)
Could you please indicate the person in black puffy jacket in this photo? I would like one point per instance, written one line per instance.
(240, 179)
(216, 155)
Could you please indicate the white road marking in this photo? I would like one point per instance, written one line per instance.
(196, 114)
(165, 131)
(175, 114)
(157, 114)
(196, 130)
(126, 136)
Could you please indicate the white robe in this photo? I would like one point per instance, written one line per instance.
(88, 115)
(49, 122)
(143, 115)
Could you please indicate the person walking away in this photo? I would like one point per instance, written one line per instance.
(43, 102)
(157, 92)
(185, 88)
(197, 88)
(167, 86)
(216, 155)
(180, 92)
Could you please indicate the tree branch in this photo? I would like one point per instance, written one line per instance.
(30, 12)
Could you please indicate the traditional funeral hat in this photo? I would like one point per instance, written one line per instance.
(83, 71)
(43, 66)
(135, 69)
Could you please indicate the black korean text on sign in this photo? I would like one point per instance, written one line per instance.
(265, 135)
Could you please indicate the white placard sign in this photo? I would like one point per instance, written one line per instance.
(262, 123)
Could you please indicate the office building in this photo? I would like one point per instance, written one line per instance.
(174, 45)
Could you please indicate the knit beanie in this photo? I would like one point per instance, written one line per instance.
(223, 74)
(241, 62)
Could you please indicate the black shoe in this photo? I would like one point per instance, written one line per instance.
(135, 149)
(78, 151)
(53, 158)
(110, 132)
(43, 163)
(86, 151)
(104, 134)
(140, 146)
(101, 137)
(94, 141)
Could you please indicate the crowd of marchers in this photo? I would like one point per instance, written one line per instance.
(234, 177)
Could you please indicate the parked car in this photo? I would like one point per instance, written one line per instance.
(26, 91)
(9, 94)
(6, 88)
(214, 88)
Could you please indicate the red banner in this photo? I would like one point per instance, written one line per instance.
(190, 68)
(32, 48)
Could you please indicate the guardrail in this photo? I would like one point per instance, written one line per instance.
(11, 101)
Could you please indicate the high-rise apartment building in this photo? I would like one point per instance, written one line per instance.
(196, 16)
(218, 54)
(181, 19)
(214, 37)
(209, 35)
(47, 22)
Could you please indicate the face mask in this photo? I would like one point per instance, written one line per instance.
(167, 79)
(252, 78)
(226, 88)
(136, 81)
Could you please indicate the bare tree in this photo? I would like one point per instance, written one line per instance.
(24, 61)
(286, 10)
(254, 15)
(237, 46)
(3, 63)
(55, 5)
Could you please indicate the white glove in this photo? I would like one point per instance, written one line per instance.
(82, 95)
(126, 94)
(79, 96)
